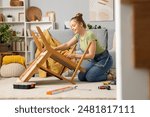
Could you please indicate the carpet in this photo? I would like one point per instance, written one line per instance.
(45, 84)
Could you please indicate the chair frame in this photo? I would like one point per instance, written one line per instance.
(55, 55)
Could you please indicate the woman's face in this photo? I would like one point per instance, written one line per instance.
(75, 26)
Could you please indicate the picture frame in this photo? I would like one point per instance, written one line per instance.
(101, 10)
(21, 16)
(51, 15)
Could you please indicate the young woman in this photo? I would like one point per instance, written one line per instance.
(99, 60)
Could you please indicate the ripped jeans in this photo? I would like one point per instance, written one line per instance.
(97, 68)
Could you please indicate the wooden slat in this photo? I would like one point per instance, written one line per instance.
(30, 71)
(38, 44)
(142, 34)
(56, 75)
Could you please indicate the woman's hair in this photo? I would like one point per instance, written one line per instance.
(79, 19)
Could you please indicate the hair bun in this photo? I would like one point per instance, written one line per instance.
(79, 15)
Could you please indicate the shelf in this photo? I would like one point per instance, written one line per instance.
(30, 37)
(22, 26)
(18, 51)
(21, 36)
(39, 22)
(15, 22)
(11, 7)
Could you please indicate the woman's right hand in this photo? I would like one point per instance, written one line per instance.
(55, 48)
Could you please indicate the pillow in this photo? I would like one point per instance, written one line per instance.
(50, 63)
(12, 70)
(51, 41)
(13, 59)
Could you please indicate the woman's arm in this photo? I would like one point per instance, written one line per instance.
(66, 45)
(89, 55)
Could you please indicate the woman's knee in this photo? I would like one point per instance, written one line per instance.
(96, 77)
(81, 76)
(90, 77)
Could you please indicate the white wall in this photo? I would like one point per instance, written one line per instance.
(66, 9)
(134, 82)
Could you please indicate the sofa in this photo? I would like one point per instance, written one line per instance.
(65, 35)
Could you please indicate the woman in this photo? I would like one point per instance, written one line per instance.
(99, 59)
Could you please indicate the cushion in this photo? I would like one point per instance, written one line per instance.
(65, 35)
(62, 35)
(13, 59)
(12, 70)
(50, 63)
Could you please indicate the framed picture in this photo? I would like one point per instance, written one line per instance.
(51, 15)
(101, 10)
(20, 16)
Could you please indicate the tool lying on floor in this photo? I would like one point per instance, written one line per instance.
(60, 90)
(76, 87)
(24, 85)
(104, 87)
(107, 83)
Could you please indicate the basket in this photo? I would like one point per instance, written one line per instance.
(34, 14)
(16, 3)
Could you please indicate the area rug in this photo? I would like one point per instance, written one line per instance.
(84, 90)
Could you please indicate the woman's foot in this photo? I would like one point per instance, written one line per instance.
(111, 75)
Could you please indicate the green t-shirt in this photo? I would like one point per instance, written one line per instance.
(86, 39)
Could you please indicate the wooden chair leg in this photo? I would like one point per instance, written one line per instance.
(29, 72)
(79, 63)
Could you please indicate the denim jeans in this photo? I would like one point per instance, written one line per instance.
(97, 68)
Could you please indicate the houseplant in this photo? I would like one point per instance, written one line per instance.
(9, 18)
(94, 27)
(7, 36)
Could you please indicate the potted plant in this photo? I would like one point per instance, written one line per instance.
(94, 27)
(9, 18)
(7, 36)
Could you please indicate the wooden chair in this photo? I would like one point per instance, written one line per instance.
(50, 52)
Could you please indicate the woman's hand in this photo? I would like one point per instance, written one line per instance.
(55, 48)
(71, 56)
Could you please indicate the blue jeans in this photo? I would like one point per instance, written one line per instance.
(97, 68)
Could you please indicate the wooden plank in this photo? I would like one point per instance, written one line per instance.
(56, 75)
(142, 34)
(30, 71)
(149, 84)
(38, 44)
